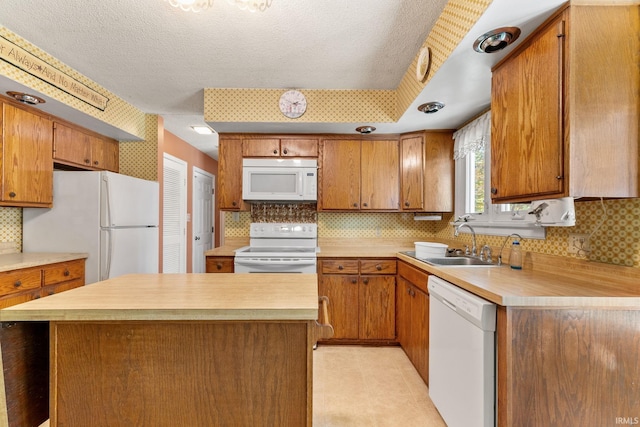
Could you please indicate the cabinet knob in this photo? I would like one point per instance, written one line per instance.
(379, 267)
(66, 272)
(407, 204)
(340, 267)
(95, 162)
(219, 266)
(17, 284)
(365, 281)
(365, 204)
(233, 203)
(285, 151)
(354, 281)
(87, 161)
(494, 190)
(355, 205)
(12, 194)
(275, 151)
(559, 177)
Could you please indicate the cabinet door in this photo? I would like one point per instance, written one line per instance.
(377, 307)
(97, 152)
(110, 155)
(419, 324)
(299, 147)
(230, 175)
(26, 156)
(261, 147)
(71, 145)
(439, 181)
(342, 291)
(403, 314)
(339, 175)
(411, 173)
(380, 175)
(527, 153)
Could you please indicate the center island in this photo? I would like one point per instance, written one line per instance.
(170, 349)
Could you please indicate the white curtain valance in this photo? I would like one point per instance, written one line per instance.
(472, 137)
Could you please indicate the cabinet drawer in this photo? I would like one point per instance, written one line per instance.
(14, 299)
(56, 289)
(63, 272)
(219, 265)
(413, 275)
(378, 266)
(340, 266)
(19, 280)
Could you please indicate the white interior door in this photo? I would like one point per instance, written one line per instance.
(174, 215)
(202, 220)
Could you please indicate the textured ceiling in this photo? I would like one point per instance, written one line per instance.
(160, 59)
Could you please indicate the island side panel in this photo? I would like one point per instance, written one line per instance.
(181, 373)
(570, 367)
(24, 384)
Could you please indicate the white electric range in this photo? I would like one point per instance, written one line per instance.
(279, 248)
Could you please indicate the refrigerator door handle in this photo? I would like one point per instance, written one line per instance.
(107, 200)
(107, 269)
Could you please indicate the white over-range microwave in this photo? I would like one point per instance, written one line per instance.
(280, 179)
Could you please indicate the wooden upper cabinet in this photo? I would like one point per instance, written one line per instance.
(229, 188)
(339, 175)
(280, 147)
(380, 175)
(411, 173)
(25, 158)
(427, 171)
(565, 108)
(83, 150)
(439, 180)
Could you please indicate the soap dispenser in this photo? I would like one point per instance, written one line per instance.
(515, 259)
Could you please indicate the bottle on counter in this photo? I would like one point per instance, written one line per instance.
(515, 259)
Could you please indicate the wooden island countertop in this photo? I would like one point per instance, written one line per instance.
(180, 297)
(163, 349)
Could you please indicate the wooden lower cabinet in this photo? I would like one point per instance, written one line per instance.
(361, 298)
(567, 366)
(219, 264)
(412, 322)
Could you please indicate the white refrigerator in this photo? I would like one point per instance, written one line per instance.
(112, 217)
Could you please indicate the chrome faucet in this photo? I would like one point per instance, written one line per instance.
(474, 248)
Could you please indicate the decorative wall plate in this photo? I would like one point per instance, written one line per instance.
(424, 64)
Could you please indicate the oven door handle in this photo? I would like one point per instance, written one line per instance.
(267, 262)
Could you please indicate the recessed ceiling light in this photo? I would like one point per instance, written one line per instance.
(203, 130)
(431, 107)
(26, 98)
(496, 40)
(365, 129)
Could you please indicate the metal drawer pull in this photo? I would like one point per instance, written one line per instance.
(17, 283)
(66, 272)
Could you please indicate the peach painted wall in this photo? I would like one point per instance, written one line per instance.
(171, 144)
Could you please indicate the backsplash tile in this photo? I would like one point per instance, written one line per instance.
(615, 240)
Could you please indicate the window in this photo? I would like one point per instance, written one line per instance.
(472, 155)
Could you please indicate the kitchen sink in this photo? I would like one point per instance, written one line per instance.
(454, 261)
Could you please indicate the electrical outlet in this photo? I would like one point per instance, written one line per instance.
(578, 244)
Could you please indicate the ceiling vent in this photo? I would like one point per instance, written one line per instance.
(26, 98)
(431, 107)
(365, 129)
(496, 40)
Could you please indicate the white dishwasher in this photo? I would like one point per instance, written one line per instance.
(461, 355)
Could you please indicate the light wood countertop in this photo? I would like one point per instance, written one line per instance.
(545, 281)
(537, 288)
(179, 297)
(16, 261)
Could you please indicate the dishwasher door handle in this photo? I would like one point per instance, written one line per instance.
(448, 304)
